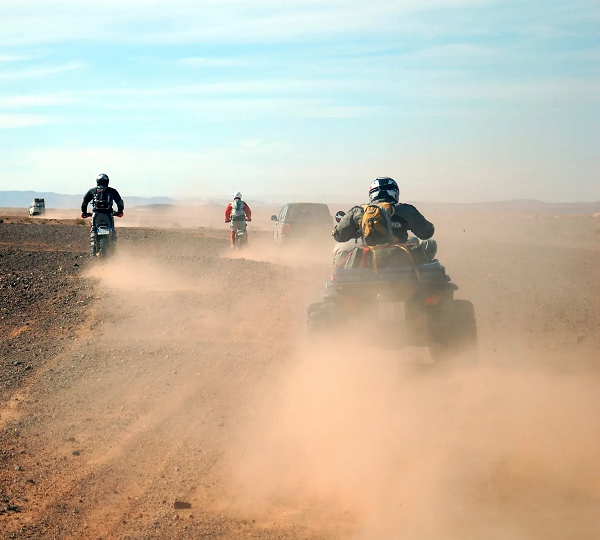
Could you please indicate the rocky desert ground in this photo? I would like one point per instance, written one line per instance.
(172, 392)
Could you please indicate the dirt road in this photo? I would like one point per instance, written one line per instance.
(177, 373)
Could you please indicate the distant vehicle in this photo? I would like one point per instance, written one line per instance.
(37, 207)
(301, 221)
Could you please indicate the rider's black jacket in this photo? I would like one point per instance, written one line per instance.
(405, 218)
(113, 196)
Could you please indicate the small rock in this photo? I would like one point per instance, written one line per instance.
(76, 452)
(178, 505)
(18, 468)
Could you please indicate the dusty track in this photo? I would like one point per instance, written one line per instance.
(188, 377)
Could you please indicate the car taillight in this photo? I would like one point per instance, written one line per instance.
(285, 227)
(432, 300)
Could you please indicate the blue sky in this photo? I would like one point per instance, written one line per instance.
(459, 100)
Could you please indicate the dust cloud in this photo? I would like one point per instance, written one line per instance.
(133, 272)
(300, 254)
(373, 446)
(362, 443)
(200, 384)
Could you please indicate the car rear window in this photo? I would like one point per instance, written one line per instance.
(318, 212)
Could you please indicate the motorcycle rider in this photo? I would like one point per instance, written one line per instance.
(405, 217)
(237, 213)
(102, 198)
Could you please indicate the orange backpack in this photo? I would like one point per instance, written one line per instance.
(376, 224)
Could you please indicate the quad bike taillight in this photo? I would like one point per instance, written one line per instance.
(432, 300)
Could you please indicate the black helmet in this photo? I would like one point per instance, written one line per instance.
(384, 189)
(102, 180)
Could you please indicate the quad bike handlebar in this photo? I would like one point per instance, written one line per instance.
(87, 214)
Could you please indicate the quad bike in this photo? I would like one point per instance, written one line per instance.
(398, 297)
(103, 236)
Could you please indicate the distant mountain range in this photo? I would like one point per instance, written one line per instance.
(22, 199)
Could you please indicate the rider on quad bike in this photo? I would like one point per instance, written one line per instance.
(384, 192)
(102, 198)
(237, 213)
(393, 281)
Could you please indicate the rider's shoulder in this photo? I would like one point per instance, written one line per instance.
(357, 211)
(405, 208)
(405, 205)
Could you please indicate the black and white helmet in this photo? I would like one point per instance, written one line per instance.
(384, 189)
(237, 195)
(102, 180)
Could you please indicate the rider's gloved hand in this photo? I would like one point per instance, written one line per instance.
(120, 214)
(248, 220)
(227, 221)
(84, 215)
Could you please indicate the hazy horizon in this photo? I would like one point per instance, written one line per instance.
(163, 200)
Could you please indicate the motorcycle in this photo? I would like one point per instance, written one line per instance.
(240, 236)
(401, 297)
(103, 234)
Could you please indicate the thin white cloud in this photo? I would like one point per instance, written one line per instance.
(10, 121)
(37, 72)
(455, 53)
(251, 143)
(574, 90)
(10, 58)
(222, 21)
(39, 100)
(209, 62)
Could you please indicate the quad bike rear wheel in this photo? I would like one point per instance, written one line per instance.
(318, 318)
(454, 333)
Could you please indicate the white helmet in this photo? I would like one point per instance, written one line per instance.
(384, 189)
(237, 195)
